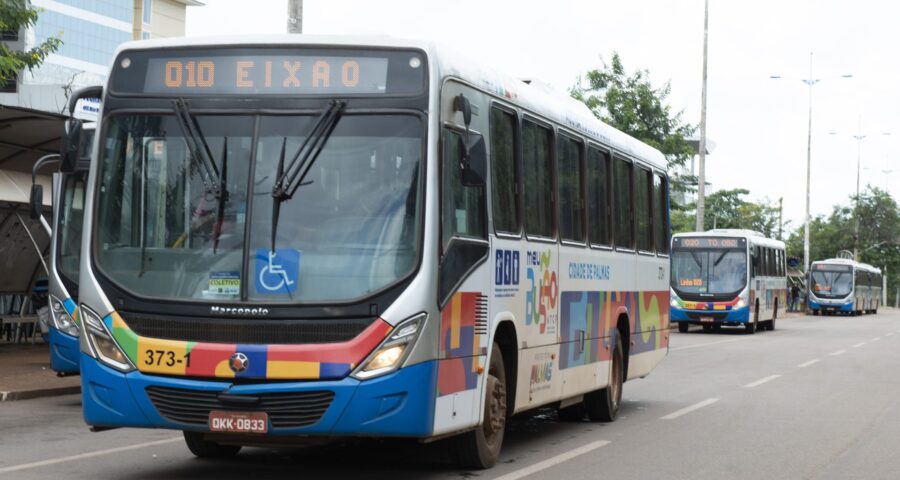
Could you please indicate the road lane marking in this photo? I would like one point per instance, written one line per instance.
(761, 381)
(563, 457)
(839, 352)
(875, 339)
(82, 456)
(857, 345)
(686, 410)
(686, 347)
(806, 364)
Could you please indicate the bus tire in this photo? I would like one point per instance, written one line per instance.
(603, 405)
(572, 413)
(683, 327)
(202, 448)
(480, 448)
(750, 327)
(770, 326)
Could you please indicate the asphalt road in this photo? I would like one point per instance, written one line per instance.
(817, 398)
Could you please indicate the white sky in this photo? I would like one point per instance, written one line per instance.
(759, 125)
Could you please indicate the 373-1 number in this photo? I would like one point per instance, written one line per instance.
(165, 357)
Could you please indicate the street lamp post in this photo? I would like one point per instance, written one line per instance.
(859, 137)
(809, 83)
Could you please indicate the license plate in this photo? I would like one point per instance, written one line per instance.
(238, 422)
(707, 319)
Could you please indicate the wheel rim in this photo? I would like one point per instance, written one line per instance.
(616, 384)
(494, 411)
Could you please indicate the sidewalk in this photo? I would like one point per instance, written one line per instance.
(25, 373)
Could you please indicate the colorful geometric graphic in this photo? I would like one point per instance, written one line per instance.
(719, 306)
(588, 324)
(273, 362)
(458, 367)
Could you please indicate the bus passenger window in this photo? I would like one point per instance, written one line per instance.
(538, 180)
(462, 207)
(660, 214)
(598, 197)
(504, 175)
(571, 190)
(642, 210)
(623, 219)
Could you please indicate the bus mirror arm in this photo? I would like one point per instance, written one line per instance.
(36, 201)
(473, 161)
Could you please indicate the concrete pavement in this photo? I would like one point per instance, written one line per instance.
(814, 399)
(25, 373)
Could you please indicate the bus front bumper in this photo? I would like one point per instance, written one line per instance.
(701, 317)
(830, 307)
(398, 404)
(64, 352)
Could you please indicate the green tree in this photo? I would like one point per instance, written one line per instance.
(728, 209)
(879, 233)
(14, 16)
(631, 103)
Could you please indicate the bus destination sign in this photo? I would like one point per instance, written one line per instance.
(266, 74)
(708, 242)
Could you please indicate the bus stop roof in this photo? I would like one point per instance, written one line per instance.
(27, 135)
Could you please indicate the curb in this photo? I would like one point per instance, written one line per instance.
(37, 393)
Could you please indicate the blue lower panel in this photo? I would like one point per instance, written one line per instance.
(64, 352)
(739, 315)
(399, 404)
(846, 307)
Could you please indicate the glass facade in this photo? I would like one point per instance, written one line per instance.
(82, 39)
(122, 10)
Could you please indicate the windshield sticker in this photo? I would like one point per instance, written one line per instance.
(224, 283)
(278, 271)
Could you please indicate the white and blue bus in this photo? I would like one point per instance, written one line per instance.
(727, 277)
(292, 236)
(68, 194)
(843, 286)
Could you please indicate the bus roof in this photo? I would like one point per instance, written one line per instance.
(847, 261)
(534, 96)
(752, 236)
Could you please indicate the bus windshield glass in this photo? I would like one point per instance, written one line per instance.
(832, 281)
(351, 228)
(700, 267)
(71, 218)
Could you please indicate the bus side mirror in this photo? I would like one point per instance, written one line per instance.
(37, 201)
(473, 161)
(70, 145)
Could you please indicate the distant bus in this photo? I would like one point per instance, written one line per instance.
(843, 286)
(727, 277)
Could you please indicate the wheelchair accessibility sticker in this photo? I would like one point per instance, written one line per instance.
(278, 271)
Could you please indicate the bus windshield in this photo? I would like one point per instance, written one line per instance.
(350, 230)
(709, 271)
(832, 281)
(71, 218)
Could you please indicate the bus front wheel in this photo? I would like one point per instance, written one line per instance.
(603, 405)
(683, 327)
(203, 448)
(479, 448)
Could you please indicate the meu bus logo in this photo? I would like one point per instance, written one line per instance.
(257, 312)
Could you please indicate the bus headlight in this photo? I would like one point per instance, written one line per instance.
(61, 318)
(740, 303)
(393, 350)
(102, 344)
(674, 303)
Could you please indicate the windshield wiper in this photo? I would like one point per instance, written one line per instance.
(288, 179)
(213, 181)
(198, 147)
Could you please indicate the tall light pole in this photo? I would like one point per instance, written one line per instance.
(295, 16)
(809, 83)
(859, 137)
(701, 184)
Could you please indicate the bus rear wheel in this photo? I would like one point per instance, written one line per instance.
(603, 405)
(202, 448)
(480, 448)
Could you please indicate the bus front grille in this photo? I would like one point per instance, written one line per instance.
(246, 331)
(714, 315)
(285, 410)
